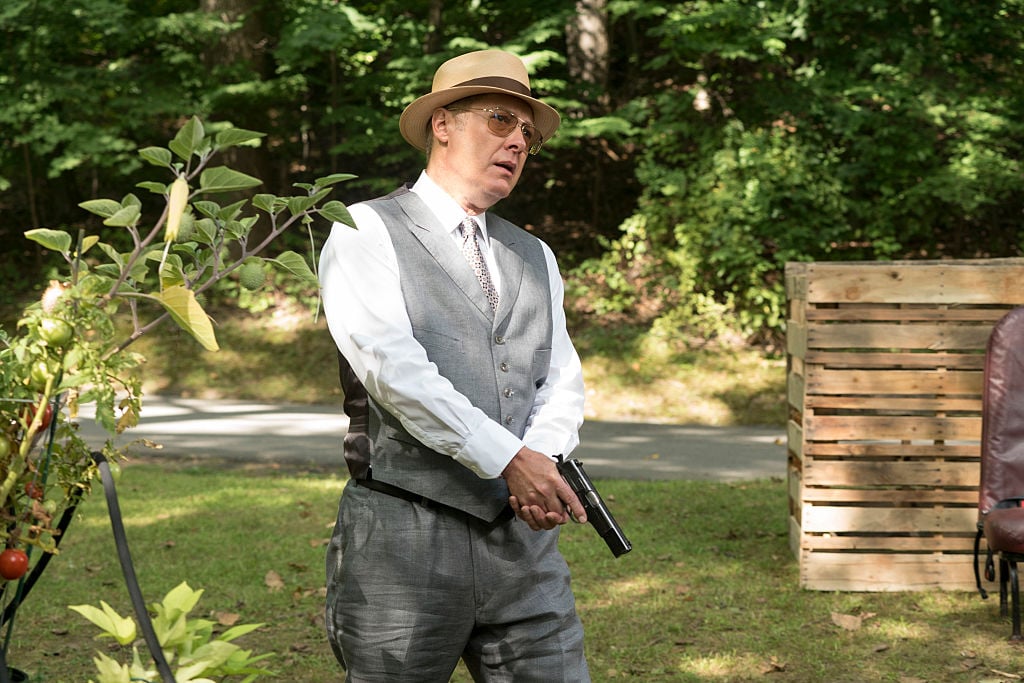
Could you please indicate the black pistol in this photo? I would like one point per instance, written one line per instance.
(598, 513)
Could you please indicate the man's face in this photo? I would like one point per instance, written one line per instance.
(477, 166)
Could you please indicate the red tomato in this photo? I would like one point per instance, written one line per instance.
(30, 414)
(33, 490)
(13, 564)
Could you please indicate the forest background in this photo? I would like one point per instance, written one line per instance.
(704, 144)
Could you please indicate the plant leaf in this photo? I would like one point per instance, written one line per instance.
(181, 303)
(224, 179)
(231, 137)
(158, 156)
(54, 240)
(333, 179)
(337, 212)
(89, 241)
(110, 622)
(188, 139)
(296, 265)
(101, 207)
(126, 216)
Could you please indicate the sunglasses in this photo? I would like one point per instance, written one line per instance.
(502, 123)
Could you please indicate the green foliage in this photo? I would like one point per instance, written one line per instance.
(71, 347)
(778, 131)
(740, 134)
(186, 642)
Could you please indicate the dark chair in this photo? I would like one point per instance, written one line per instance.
(1001, 490)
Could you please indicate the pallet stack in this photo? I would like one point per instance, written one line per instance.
(885, 365)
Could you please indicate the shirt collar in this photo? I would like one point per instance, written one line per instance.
(447, 210)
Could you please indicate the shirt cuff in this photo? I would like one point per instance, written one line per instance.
(489, 450)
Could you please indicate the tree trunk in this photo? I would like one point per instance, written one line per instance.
(588, 47)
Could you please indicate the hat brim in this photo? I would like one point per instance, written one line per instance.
(414, 120)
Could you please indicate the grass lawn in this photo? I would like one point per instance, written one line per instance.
(709, 592)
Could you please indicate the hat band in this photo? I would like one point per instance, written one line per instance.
(498, 82)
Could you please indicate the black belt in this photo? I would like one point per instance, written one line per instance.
(389, 489)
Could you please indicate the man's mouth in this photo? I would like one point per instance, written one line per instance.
(507, 165)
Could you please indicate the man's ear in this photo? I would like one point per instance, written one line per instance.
(439, 124)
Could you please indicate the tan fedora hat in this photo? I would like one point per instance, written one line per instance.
(475, 73)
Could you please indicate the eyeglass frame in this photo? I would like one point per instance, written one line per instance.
(533, 148)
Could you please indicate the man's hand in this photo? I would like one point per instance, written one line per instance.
(538, 494)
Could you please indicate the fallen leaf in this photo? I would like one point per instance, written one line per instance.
(274, 581)
(298, 567)
(317, 542)
(226, 618)
(881, 647)
(850, 622)
(773, 665)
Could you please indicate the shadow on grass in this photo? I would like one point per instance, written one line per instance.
(709, 593)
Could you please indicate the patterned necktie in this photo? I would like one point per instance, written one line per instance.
(471, 250)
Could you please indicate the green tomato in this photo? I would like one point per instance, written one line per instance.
(39, 374)
(55, 332)
(6, 447)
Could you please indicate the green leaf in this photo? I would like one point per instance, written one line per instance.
(224, 179)
(112, 253)
(126, 216)
(296, 265)
(101, 207)
(333, 179)
(265, 202)
(54, 240)
(182, 597)
(231, 211)
(172, 272)
(152, 186)
(337, 212)
(88, 242)
(208, 209)
(205, 230)
(239, 631)
(113, 624)
(232, 137)
(110, 670)
(298, 205)
(181, 303)
(158, 156)
(188, 139)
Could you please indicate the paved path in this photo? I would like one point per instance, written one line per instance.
(311, 435)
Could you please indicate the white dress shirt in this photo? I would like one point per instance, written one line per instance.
(367, 318)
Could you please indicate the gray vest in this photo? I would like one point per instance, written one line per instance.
(497, 360)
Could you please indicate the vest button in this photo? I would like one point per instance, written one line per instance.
(503, 367)
(509, 420)
(499, 339)
(508, 393)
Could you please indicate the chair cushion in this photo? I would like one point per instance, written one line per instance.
(1004, 530)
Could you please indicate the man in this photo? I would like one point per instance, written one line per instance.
(462, 387)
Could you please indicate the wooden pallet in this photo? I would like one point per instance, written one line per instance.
(885, 364)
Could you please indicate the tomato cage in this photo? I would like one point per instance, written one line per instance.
(28, 507)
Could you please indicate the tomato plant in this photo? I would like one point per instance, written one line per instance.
(13, 563)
